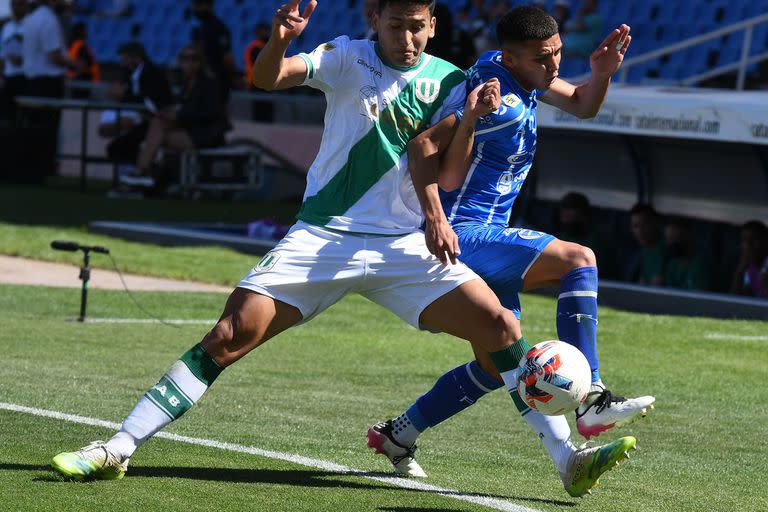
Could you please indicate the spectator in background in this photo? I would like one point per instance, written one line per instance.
(198, 121)
(45, 64)
(215, 39)
(144, 83)
(262, 32)
(751, 275)
(87, 69)
(575, 225)
(648, 265)
(451, 43)
(685, 266)
(11, 49)
(561, 11)
(369, 8)
(584, 32)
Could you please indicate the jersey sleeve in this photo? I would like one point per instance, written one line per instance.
(325, 64)
(453, 102)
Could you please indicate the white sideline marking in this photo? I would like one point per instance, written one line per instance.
(146, 321)
(494, 503)
(735, 337)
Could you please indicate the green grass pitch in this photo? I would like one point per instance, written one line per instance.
(314, 390)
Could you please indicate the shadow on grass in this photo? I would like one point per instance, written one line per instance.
(301, 478)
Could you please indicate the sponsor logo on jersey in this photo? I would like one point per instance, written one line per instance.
(267, 262)
(504, 185)
(427, 89)
(327, 47)
(511, 100)
(376, 72)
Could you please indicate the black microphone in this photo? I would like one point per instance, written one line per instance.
(64, 245)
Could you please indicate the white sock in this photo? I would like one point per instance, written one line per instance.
(555, 433)
(403, 430)
(176, 392)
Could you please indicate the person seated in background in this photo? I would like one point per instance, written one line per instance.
(648, 265)
(751, 275)
(198, 121)
(146, 84)
(575, 225)
(685, 266)
(584, 31)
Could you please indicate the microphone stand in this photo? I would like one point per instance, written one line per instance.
(85, 276)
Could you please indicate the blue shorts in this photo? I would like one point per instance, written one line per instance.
(501, 256)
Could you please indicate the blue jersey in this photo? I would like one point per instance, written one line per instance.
(505, 142)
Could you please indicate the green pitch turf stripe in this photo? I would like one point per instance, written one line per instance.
(486, 501)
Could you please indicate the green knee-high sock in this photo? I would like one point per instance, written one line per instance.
(507, 362)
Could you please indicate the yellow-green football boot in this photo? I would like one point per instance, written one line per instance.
(93, 462)
(587, 464)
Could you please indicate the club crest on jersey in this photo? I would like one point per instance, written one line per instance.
(510, 100)
(504, 186)
(427, 89)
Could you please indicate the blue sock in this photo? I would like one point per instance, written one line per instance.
(577, 314)
(451, 394)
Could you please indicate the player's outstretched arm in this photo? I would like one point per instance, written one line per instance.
(483, 100)
(585, 100)
(272, 70)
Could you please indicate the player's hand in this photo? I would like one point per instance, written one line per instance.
(484, 99)
(442, 241)
(287, 23)
(610, 53)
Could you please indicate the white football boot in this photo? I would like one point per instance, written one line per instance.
(603, 411)
(402, 457)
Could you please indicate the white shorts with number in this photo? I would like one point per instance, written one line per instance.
(312, 268)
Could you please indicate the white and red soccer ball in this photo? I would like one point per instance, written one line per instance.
(555, 378)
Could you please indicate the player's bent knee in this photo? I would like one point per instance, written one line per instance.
(581, 256)
(507, 328)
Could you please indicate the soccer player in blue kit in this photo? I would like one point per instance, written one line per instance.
(482, 168)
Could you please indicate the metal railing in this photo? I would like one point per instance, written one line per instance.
(741, 65)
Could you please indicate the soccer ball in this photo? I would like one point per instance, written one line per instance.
(555, 378)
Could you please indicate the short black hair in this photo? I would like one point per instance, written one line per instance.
(133, 49)
(428, 3)
(525, 24)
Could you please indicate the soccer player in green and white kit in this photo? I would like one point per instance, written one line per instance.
(358, 228)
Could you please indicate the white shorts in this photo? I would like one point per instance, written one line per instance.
(312, 268)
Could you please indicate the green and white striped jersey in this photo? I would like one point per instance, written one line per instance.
(359, 181)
